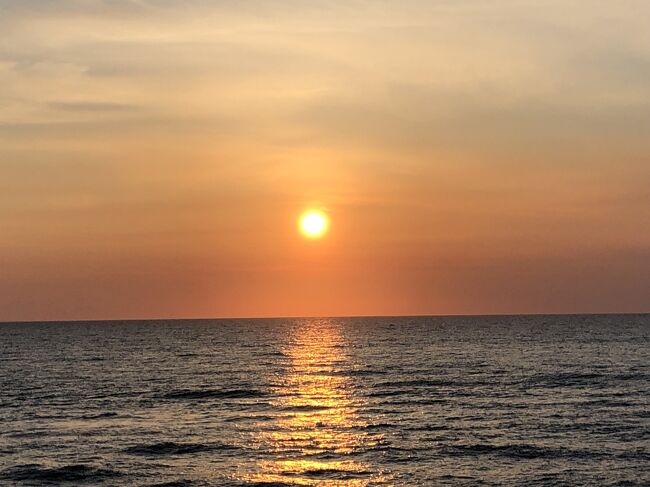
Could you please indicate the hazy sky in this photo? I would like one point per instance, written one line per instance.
(474, 157)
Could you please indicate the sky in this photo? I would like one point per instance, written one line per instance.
(473, 157)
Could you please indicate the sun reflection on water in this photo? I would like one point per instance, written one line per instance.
(318, 436)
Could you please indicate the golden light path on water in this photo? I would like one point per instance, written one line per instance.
(321, 427)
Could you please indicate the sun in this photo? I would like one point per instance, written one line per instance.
(313, 223)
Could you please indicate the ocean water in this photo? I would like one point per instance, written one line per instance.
(509, 400)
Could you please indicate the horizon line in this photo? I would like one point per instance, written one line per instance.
(296, 317)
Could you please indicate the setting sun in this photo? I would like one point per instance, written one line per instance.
(313, 223)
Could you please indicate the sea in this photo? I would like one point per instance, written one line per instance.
(463, 400)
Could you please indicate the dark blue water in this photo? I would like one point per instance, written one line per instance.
(520, 400)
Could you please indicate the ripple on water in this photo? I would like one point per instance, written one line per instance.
(65, 473)
(327, 402)
(172, 448)
(213, 394)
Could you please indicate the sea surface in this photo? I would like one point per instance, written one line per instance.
(498, 400)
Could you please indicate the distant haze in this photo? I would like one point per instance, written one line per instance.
(473, 157)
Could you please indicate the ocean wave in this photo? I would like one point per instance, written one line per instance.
(628, 483)
(331, 473)
(386, 447)
(417, 383)
(66, 473)
(174, 483)
(374, 426)
(305, 407)
(412, 402)
(274, 353)
(213, 394)
(27, 434)
(610, 403)
(238, 419)
(171, 448)
(632, 376)
(638, 454)
(398, 392)
(108, 414)
(354, 373)
(522, 451)
(428, 427)
(564, 379)
(254, 483)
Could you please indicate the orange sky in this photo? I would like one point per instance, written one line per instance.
(473, 156)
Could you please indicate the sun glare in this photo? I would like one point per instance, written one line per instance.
(313, 223)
